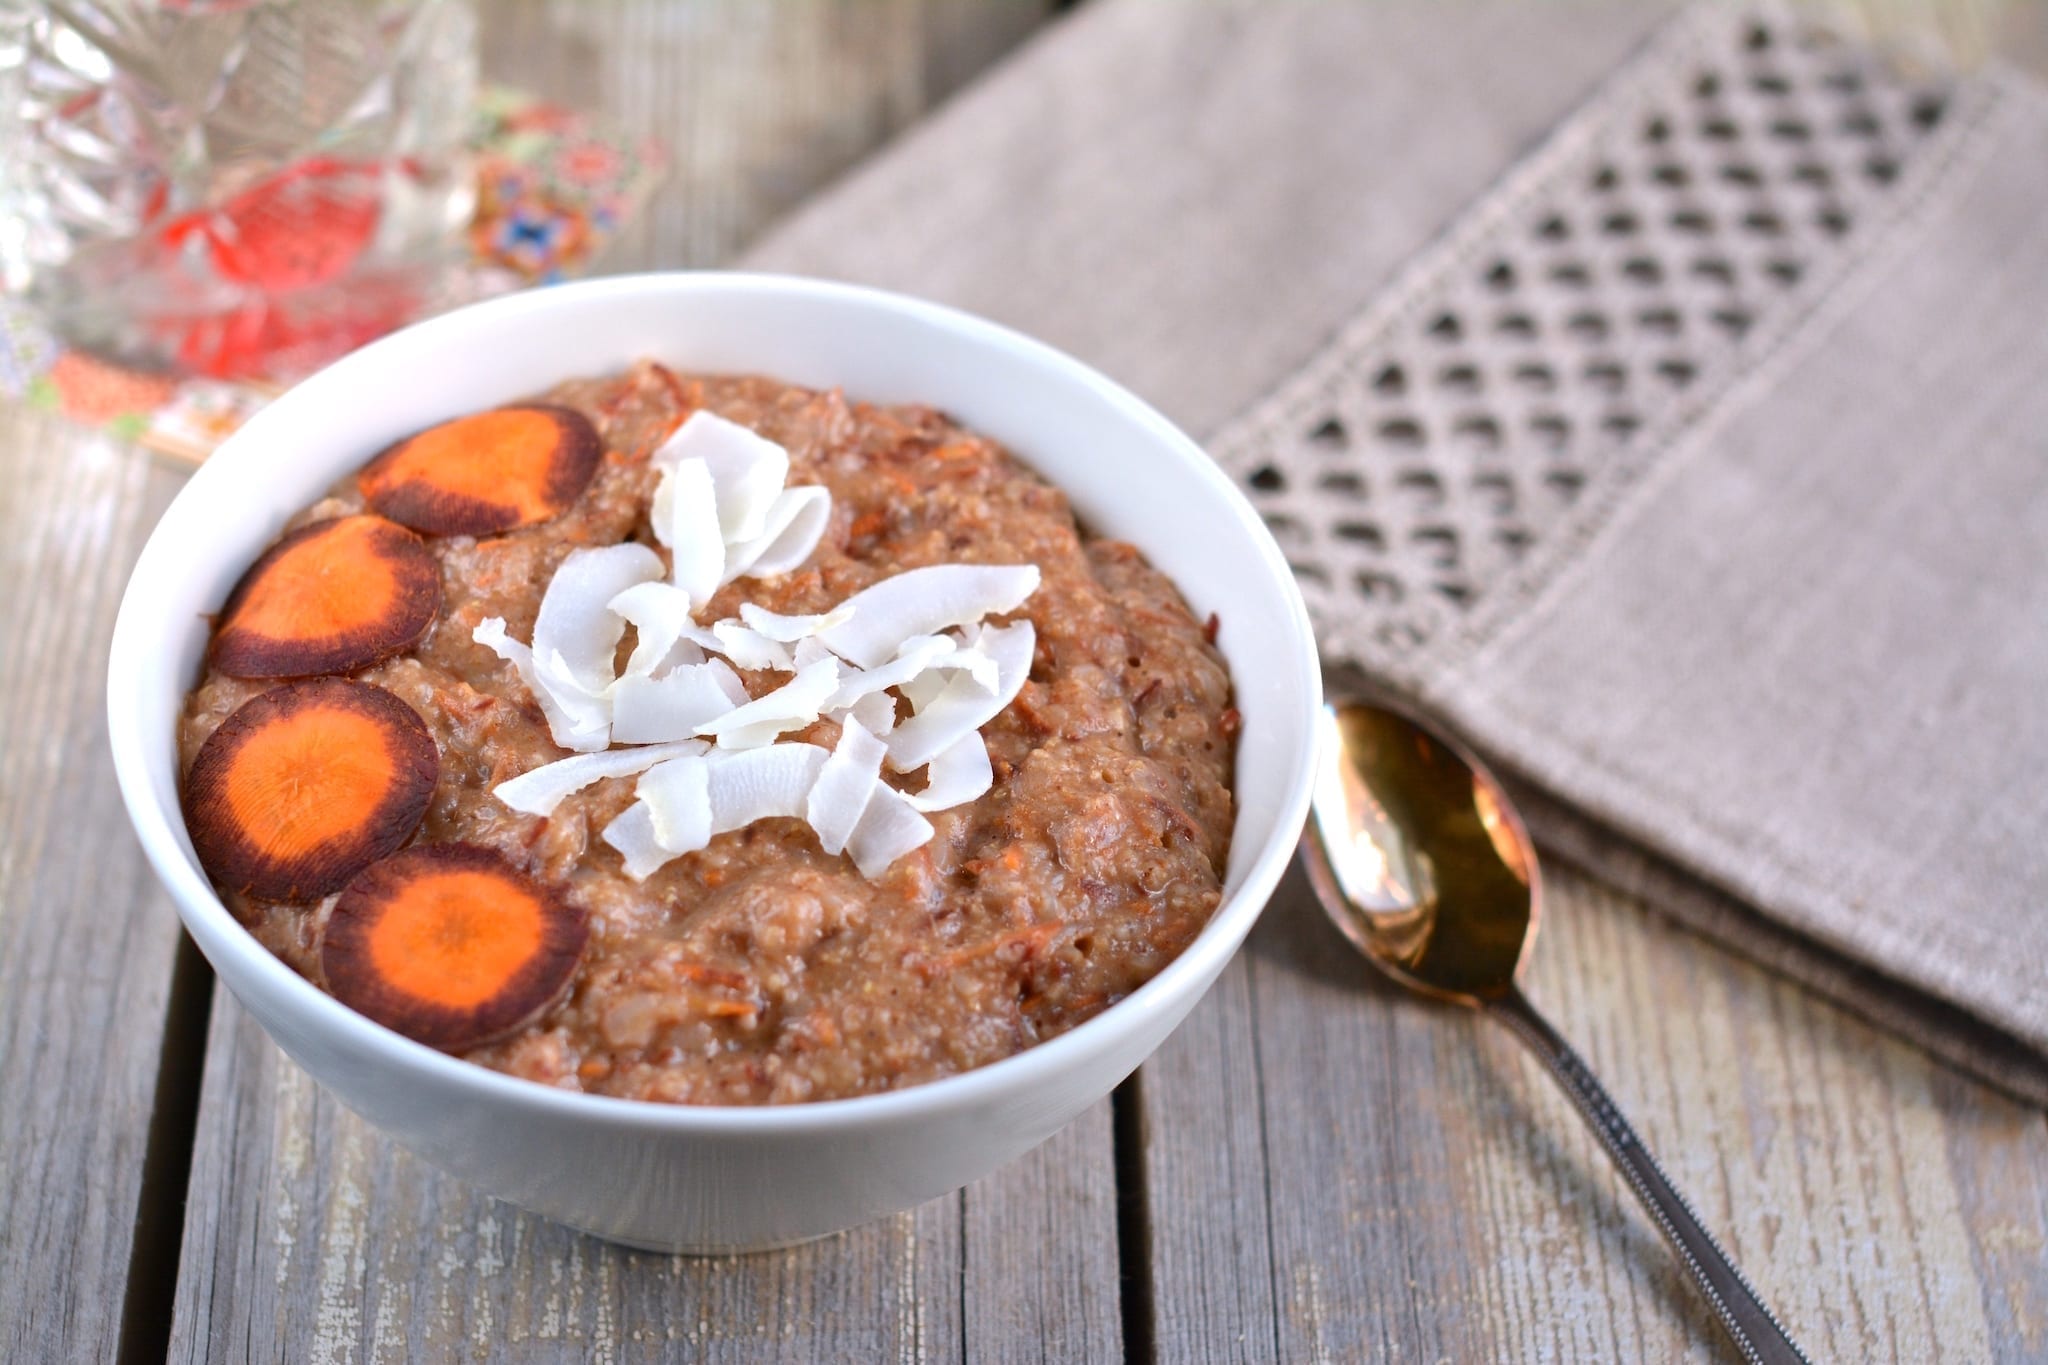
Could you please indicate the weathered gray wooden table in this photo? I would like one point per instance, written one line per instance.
(1313, 1168)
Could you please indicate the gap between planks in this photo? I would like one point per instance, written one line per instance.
(150, 1280)
(152, 1283)
(1137, 1323)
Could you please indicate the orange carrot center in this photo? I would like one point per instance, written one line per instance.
(309, 779)
(456, 937)
(326, 585)
(504, 457)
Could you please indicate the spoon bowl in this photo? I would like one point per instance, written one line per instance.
(1419, 858)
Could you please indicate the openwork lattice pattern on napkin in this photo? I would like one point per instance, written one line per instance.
(1442, 456)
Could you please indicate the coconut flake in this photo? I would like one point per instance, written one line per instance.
(685, 517)
(876, 712)
(791, 706)
(632, 834)
(749, 648)
(975, 660)
(845, 783)
(808, 651)
(537, 791)
(913, 657)
(746, 467)
(588, 717)
(920, 690)
(795, 523)
(577, 723)
(490, 633)
(678, 796)
(888, 829)
(790, 629)
(649, 710)
(586, 728)
(958, 775)
(721, 498)
(573, 621)
(703, 637)
(749, 471)
(760, 784)
(923, 602)
(660, 616)
(964, 705)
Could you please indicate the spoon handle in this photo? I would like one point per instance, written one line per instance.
(1756, 1332)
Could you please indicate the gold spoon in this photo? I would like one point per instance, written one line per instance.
(1422, 863)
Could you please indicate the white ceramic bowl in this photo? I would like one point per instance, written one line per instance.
(719, 1179)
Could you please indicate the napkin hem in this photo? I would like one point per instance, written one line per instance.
(1577, 779)
(1957, 1036)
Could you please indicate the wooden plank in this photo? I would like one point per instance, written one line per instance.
(2003, 1187)
(1040, 1253)
(87, 941)
(1431, 1195)
(1207, 1242)
(311, 1237)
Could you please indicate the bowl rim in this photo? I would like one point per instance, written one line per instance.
(216, 929)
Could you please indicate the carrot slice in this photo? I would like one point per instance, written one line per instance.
(451, 946)
(487, 472)
(331, 597)
(306, 785)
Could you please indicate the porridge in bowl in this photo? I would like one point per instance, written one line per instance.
(711, 740)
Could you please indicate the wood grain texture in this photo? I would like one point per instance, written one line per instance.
(312, 1238)
(1430, 1195)
(1039, 1255)
(1211, 1262)
(86, 938)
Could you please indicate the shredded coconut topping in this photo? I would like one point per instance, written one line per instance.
(709, 757)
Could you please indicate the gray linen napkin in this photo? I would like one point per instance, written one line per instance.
(1659, 400)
